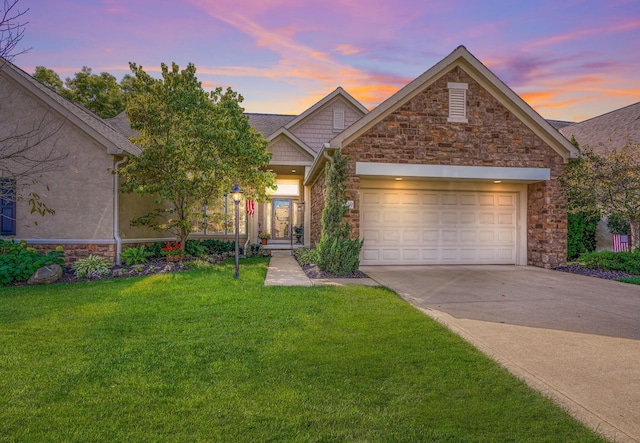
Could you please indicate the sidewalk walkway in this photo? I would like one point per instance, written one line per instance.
(284, 270)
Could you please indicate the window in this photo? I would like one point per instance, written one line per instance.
(218, 218)
(7, 206)
(338, 119)
(457, 102)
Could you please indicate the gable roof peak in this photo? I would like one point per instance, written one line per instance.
(461, 57)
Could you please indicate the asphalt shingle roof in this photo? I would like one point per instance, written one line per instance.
(612, 129)
(269, 123)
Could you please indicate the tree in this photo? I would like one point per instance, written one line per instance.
(608, 180)
(49, 78)
(582, 224)
(337, 252)
(27, 147)
(99, 93)
(195, 146)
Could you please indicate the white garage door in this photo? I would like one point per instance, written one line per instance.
(437, 227)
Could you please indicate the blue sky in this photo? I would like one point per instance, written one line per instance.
(570, 60)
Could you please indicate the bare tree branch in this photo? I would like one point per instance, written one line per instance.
(11, 30)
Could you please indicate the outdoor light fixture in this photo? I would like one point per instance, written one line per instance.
(497, 181)
(399, 179)
(236, 193)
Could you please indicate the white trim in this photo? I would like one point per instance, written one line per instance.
(67, 241)
(452, 172)
(454, 85)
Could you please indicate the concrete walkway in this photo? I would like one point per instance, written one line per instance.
(284, 270)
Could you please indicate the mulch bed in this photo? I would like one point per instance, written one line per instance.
(607, 275)
(153, 267)
(313, 271)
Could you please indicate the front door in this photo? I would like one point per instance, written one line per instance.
(281, 224)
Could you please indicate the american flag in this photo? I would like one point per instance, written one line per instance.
(620, 242)
(251, 207)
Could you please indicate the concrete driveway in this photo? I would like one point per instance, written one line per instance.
(575, 338)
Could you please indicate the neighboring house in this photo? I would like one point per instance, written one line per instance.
(83, 190)
(611, 130)
(454, 168)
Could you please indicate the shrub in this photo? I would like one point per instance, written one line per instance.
(612, 261)
(218, 247)
(155, 250)
(92, 266)
(135, 255)
(336, 252)
(339, 256)
(254, 249)
(195, 248)
(306, 256)
(581, 236)
(19, 262)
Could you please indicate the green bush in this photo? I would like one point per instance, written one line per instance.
(135, 255)
(195, 248)
(612, 261)
(19, 262)
(92, 266)
(581, 236)
(218, 247)
(618, 224)
(306, 256)
(339, 256)
(155, 250)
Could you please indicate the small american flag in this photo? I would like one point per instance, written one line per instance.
(251, 207)
(620, 242)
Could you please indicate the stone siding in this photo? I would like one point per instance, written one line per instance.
(73, 253)
(418, 133)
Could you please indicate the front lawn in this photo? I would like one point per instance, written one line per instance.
(200, 356)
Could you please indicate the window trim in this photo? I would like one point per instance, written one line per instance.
(8, 208)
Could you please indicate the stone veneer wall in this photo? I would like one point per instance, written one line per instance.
(74, 252)
(418, 133)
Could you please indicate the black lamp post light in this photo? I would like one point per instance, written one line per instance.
(236, 193)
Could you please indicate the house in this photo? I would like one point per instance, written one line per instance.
(611, 130)
(82, 188)
(454, 168)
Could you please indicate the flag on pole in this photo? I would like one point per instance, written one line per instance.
(620, 242)
(251, 207)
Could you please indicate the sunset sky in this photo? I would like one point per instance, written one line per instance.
(569, 59)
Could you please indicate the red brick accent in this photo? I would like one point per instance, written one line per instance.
(418, 133)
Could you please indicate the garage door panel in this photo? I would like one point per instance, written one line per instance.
(432, 227)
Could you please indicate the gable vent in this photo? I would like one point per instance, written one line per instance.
(457, 102)
(338, 119)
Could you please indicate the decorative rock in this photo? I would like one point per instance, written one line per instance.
(45, 275)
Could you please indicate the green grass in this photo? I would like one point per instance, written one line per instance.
(200, 356)
(632, 280)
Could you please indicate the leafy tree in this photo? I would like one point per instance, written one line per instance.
(195, 146)
(49, 78)
(582, 223)
(337, 252)
(99, 93)
(608, 180)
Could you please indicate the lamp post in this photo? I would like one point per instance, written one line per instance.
(236, 193)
